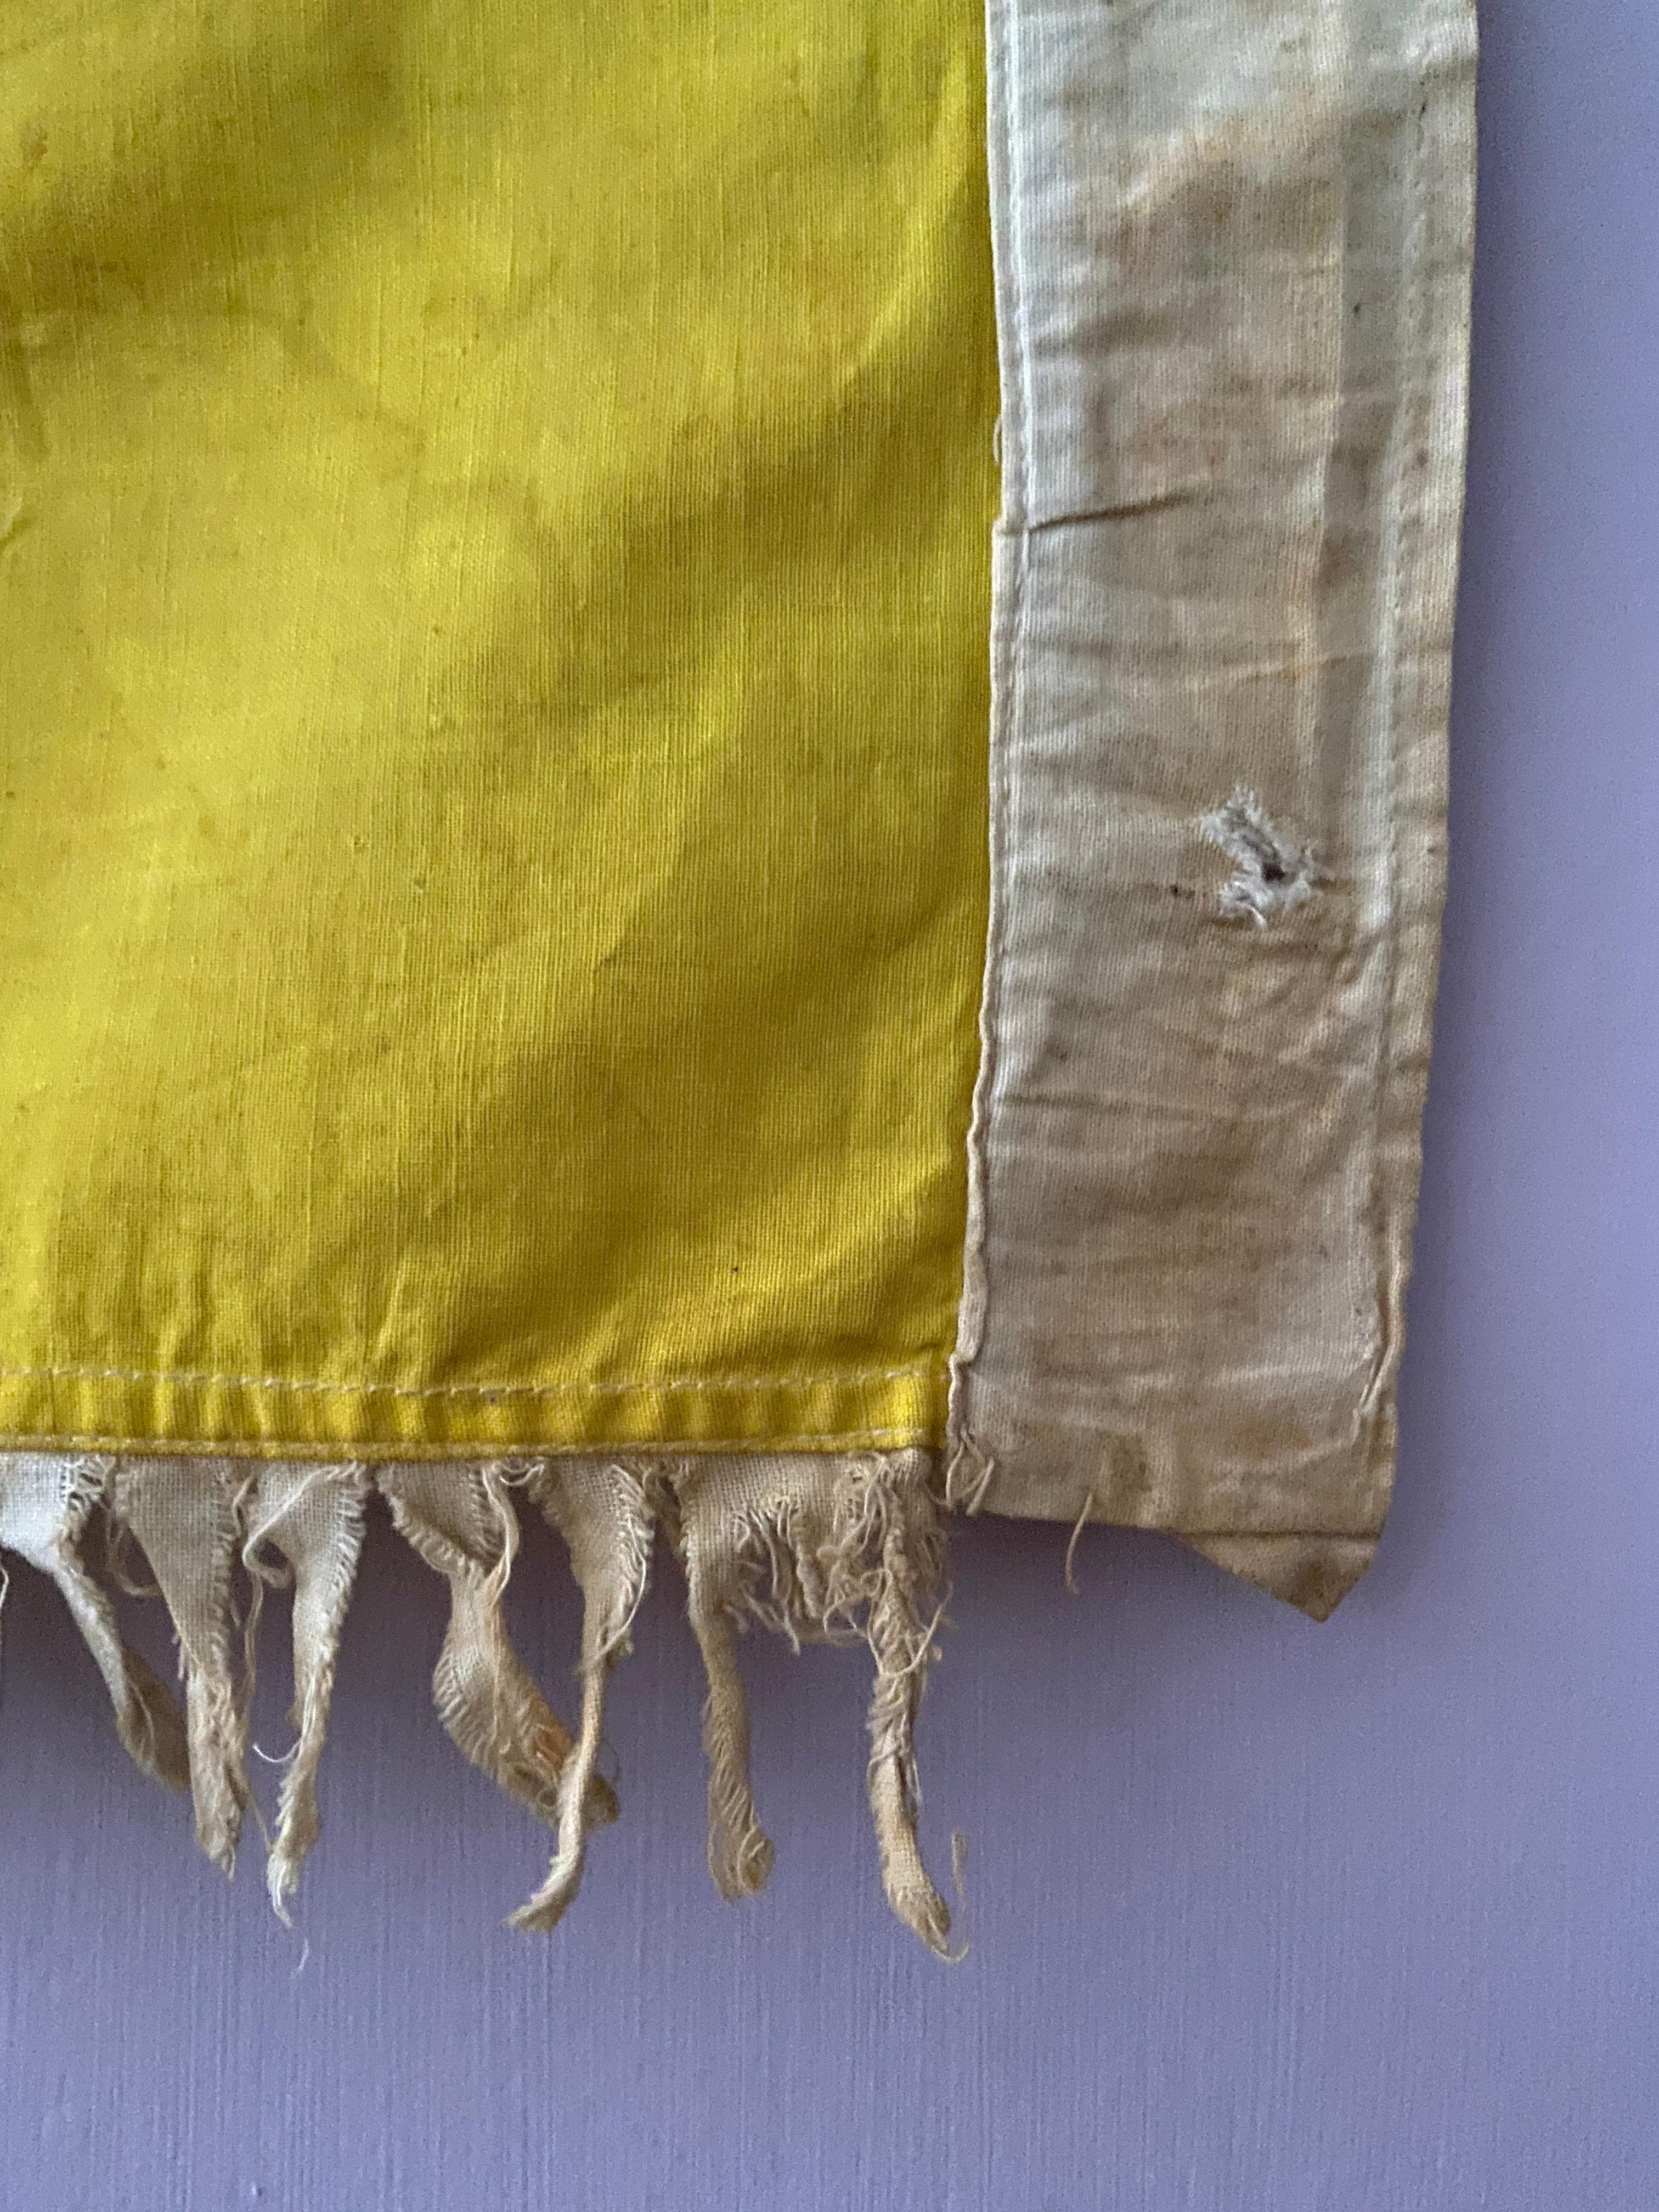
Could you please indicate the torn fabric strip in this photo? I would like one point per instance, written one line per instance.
(589, 929)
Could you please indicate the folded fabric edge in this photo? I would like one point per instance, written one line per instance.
(1178, 1312)
(1253, 1527)
(821, 1548)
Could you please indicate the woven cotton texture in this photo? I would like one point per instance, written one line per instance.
(494, 599)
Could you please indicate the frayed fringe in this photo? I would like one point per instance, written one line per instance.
(45, 1508)
(829, 1550)
(604, 1516)
(820, 1549)
(185, 1518)
(313, 1517)
(462, 1521)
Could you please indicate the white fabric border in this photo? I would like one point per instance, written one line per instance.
(1233, 242)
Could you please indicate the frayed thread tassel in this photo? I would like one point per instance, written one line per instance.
(603, 1513)
(463, 1521)
(314, 1517)
(823, 1549)
(713, 1534)
(47, 1503)
(184, 1513)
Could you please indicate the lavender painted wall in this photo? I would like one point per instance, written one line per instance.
(1358, 1918)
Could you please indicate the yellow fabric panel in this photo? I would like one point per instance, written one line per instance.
(494, 595)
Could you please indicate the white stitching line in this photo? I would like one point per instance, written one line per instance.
(381, 1451)
(1017, 426)
(1414, 328)
(468, 1389)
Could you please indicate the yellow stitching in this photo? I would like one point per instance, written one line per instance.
(338, 1451)
(486, 1390)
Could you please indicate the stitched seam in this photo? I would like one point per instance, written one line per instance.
(1412, 303)
(376, 1449)
(1017, 411)
(489, 1390)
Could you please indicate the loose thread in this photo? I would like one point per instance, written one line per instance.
(1083, 1520)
